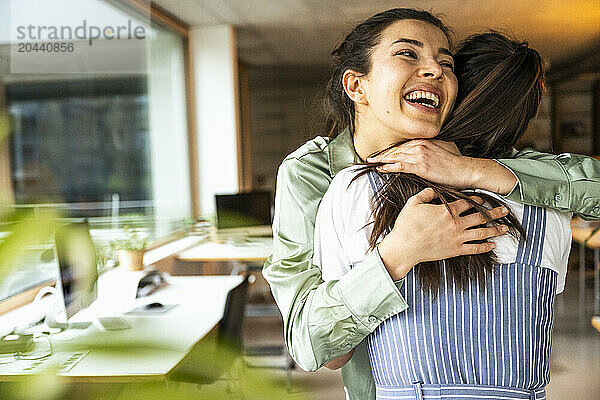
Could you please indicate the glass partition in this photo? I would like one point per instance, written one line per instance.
(108, 143)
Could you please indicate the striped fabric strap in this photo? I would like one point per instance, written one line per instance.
(376, 185)
(421, 391)
(418, 387)
(534, 223)
(374, 181)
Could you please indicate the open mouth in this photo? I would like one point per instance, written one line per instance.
(421, 97)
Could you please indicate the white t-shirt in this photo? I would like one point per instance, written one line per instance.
(342, 230)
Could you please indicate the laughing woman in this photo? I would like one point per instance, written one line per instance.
(324, 320)
(479, 327)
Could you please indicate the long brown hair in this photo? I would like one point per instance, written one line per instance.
(501, 83)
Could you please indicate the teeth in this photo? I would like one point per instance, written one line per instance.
(421, 94)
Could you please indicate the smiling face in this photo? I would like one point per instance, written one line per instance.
(409, 91)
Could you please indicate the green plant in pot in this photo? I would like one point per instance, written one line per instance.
(130, 249)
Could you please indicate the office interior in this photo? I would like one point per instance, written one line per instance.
(143, 136)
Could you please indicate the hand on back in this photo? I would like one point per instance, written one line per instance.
(427, 232)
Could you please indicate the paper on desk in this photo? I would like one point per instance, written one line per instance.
(59, 362)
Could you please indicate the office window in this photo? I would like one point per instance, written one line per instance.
(81, 142)
(109, 146)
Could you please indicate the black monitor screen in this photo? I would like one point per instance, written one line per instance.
(243, 209)
(78, 268)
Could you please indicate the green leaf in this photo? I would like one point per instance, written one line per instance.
(26, 230)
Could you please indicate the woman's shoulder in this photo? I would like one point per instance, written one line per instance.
(310, 158)
(315, 148)
(307, 165)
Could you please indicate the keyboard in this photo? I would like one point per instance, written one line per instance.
(114, 323)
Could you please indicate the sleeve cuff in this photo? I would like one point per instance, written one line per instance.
(543, 183)
(516, 193)
(370, 293)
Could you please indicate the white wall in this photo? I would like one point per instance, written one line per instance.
(213, 52)
(168, 129)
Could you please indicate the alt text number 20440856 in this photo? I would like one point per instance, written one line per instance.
(51, 47)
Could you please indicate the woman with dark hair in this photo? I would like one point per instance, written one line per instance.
(479, 326)
(324, 320)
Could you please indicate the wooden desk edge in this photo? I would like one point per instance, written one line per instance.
(23, 298)
(596, 322)
(213, 259)
(580, 235)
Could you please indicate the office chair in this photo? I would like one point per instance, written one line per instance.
(255, 355)
(202, 368)
(230, 329)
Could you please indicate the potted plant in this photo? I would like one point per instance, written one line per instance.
(130, 249)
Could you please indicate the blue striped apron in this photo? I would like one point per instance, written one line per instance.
(473, 343)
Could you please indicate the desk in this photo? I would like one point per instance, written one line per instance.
(581, 231)
(235, 249)
(167, 338)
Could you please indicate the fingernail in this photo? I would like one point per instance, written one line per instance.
(504, 210)
(492, 245)
(504, 228)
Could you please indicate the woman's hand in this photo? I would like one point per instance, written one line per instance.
(441, 162)
(427, 232)
(339, 362)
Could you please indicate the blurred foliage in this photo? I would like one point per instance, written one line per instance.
(210, 379)
(23, 230)
(210, 373)
(4, 126)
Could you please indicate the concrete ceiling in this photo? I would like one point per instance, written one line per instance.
(303, 32)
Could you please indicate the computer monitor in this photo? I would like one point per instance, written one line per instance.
(77, 265)
(243, 209)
